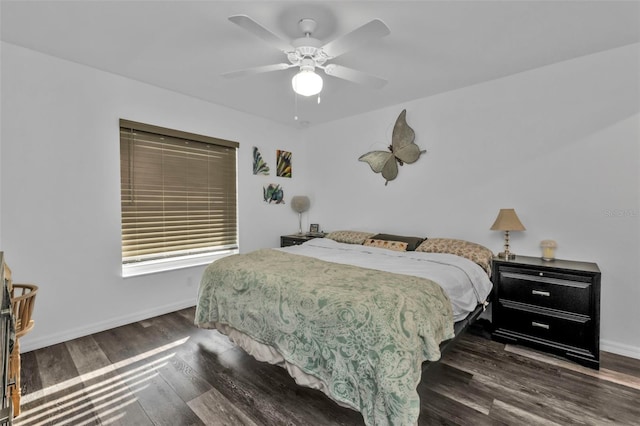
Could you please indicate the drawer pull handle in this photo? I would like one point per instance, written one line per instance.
(540, 293)
(541, 274)
(540, 325)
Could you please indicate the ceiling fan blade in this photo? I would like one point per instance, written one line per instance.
(355, 76)
(257, 70)
(258, 30)
(355, 38)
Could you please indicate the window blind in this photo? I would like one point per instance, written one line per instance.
(178, 193)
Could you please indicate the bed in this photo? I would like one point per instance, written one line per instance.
(353, 316)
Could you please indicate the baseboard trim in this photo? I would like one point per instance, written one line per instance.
(620, 349)
(27, 344)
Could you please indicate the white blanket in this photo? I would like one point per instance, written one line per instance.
(465, 282)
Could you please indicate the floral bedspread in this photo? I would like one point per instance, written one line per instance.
(365, 333)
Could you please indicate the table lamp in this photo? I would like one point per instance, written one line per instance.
(300, 204)
(506, 221)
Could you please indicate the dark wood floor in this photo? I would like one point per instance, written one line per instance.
(165, 371)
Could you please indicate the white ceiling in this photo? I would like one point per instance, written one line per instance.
(434, 46)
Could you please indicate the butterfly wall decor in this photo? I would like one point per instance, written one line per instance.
(402, 150)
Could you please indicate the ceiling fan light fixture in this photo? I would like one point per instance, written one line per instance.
(306, 83)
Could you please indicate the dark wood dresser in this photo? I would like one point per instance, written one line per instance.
(551, 305)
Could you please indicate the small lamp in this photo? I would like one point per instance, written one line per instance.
(300, 204)
(506, 221)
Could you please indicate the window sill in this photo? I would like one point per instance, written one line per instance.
(163, 265)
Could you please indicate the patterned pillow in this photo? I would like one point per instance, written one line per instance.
(412, 242)
(391, 245)
(472, 251)
(349, 237)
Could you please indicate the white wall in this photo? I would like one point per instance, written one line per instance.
(560, 144)
(60, 194)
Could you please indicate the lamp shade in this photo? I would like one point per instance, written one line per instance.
(307, 83)
(300, 203)
(507, 220)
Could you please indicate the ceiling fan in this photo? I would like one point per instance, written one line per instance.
(308, 53)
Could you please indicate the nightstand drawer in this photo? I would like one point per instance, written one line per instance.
(569, 330)
(297, 239)
(285, 241)
(555, 291)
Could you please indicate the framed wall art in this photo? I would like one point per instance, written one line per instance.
(283, 166)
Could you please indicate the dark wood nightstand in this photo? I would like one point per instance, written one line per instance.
(296, 239)
(552, 305)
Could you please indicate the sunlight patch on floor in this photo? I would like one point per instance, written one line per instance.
(100, 394)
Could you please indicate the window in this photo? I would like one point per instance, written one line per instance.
(178, 197)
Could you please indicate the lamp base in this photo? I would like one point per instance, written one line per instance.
(506, 255)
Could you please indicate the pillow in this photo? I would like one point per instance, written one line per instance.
(412, 242)
(472, 251)
(391, 245)
(349, 237)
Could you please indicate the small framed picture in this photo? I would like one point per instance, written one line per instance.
(314, 228)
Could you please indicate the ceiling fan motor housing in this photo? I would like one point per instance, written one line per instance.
(307, 47)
